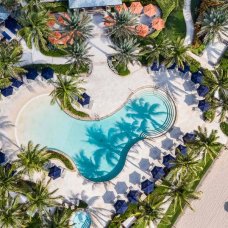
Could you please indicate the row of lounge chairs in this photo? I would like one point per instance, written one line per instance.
(148, 186)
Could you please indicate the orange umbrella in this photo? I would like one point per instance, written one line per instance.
(54, 37)
(51, 22)
(108, 21)
(121, 7)
(142, 30)
(136, 7)
(150, 10)
(158, 23)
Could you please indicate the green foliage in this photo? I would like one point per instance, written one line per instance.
(55, 7)
(224, 61)
(209, 115)
(57, 52)
(65, 160)
(194, 65)
(122, 70)
(75, 112)
(224, 127)
(197, 50)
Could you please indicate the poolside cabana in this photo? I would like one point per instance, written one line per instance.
(158, 23)
(181, 149)
(203, 105)
(133, 196)
(8, 91)
(136, 8)
(168, 161)
(84, 100)
(142, 30)
(54, 172)
(197, 77)
(16, 83)
(202, 90)
(120, 206)
(47, 73)
(31, 73)
(2, 157)
(73, 4)
(147, 186)
(157, 172)
(189, 137)
(121, 7)
(149, 10)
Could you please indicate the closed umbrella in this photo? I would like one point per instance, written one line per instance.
(203, 105)
(31, 73)
(84, 100)
(16, 83)
(158, 172)
(47, 73)
(54, 172)
(197, 77)
(150, 10)
(136, 8)
(120, 206)
(7, 91)
(181, 149)
(202, 90)
(189, 137)
(133, 196)
(168, 161)
(147, 186)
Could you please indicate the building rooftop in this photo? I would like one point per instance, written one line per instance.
(92, 3)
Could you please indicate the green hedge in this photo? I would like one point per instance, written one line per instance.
(62, 158)
(58, 52)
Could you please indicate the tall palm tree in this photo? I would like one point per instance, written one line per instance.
(10, 55)
(156, 50)
(126, 52)
(66, 91)
(12, 214)
(213, 25)
(61, 218)
(179, 193)
(40, 198)
(78, 53)
(186, 165)
(32, 158)
(149, 211)
(35, 29)
(121, 24)
(8, 180)
(177, 53)
(207, 143)
(77, 25)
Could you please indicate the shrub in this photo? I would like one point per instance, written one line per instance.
(224, 128)
(194, 65)
(58, 52)
(224, 61)
(209, 115)
(121, 70)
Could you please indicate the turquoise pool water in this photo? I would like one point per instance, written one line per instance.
(98, 148)
(81, 220)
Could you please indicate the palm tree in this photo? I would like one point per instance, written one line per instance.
(66, 91)
(35, 28)
(78, 53)
(40, 198)
(33, 5)
(61, 218)
(8, 180)
(12, 214)
(121, 24)
(213, 25)
(10, 4)
(156, 50)
(32, 158)
(126, 52)
(10, 55)
(176, 54)
(186, 165)
(207, 144)
(179, 193)
(148, 211)
(77, 25)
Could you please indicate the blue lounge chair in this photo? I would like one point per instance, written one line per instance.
(16, 83)
(12, 25)
(7, 91)
(54, 172)
(31, 73)
(85, 100)
(47, 73)
(6, 35)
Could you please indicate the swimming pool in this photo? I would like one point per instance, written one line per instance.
(81, 220)
(98, 148)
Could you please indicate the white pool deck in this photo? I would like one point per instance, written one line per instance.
(109, 92)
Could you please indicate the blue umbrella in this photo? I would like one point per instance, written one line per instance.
(16, 83)
(202, 90)
(54, 172)
(155, 67)
(186, 68)
(189, 137)
(120, 206)
(158, 172)
(47, 73)
(7, 91)
(167, 161)
(133, 196)
(2, 157)
(84, 100)
(197, 77)
(182, 149)
(147, 186)
(31, 73)
(172, 67)
(203, 105)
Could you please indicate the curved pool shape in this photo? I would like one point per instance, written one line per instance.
(98, 148)
(81, 220)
